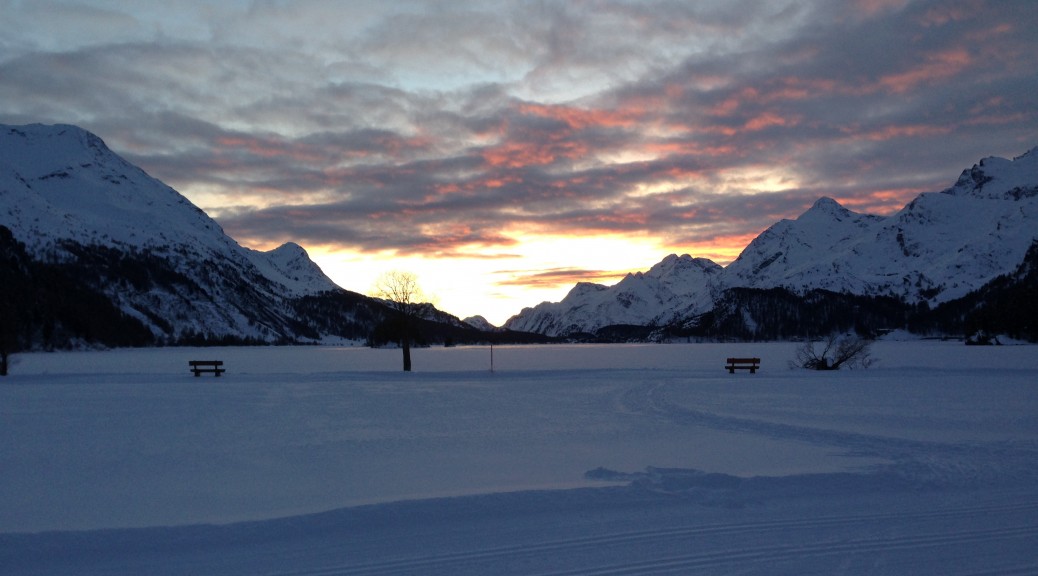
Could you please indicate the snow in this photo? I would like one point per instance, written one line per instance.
(938, 248)
(672, 289)
(290, 266)
(66, 184)
(626, 459)
(63, 183)
(999, 178)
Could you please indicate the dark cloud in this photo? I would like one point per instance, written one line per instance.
(443, 130)
(554, 277)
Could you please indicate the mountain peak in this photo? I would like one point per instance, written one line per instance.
(674, 264)
(1030, 154)
(581, 289)
(63, 145)
(825, 208)
(291, 266)
(65, 183)
(289, 250)
(480, 323)
(935, 249)
(673, 287)
(64, 192)
(997, 178)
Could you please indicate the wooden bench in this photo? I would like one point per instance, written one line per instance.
(750, 364)
(199, 366)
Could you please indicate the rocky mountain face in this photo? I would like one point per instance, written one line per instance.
(99, 253)
(93, 251)
(675, 288)
(938, 249)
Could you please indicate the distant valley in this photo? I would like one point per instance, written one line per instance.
(95, 252)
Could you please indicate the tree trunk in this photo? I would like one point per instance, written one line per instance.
(407, 352)
(3, 362)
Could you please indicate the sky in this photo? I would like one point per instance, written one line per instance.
(502, 151)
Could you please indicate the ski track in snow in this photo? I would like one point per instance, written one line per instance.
(936, 471)
(913, 541)
(912, 455)
(475, 561)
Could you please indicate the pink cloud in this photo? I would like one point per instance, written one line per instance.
(581, 118)
(871, 8)
(556, 277)
(934, 67)
(769, 120)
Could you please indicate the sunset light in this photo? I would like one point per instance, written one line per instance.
(504, 151)
(515, 287)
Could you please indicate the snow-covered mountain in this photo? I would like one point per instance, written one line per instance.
(61, 183)
(165, 266)
(93, 251)
(678, 286)
(71, 200)
(937, 248)
(480, 323)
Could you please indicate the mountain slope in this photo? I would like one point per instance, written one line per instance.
(61, 183)
(813, 249)
(72, 201)
(675, 287)
(938, 248)
(96, 252)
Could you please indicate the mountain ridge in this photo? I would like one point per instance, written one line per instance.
(80, 223)
(116, 203)
(939, 247)
(105, 228)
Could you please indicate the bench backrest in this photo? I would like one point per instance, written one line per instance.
(744, 360)
(205, 362)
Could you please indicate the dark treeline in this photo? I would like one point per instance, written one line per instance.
(1007, 305)
(68, 301)
(779, 314)
(55, 306)
(426, 332)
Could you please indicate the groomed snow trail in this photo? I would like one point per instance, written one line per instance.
(651, 461)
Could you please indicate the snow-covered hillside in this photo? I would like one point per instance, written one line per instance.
(60, 183)
(674, 288)
(71, 200)
(148, 267)
(936, 249)
(166, 265)
(480, 323)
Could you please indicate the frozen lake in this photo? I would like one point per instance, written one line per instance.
(603, 459)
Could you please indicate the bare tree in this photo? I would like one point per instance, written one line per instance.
(401, 292)
(836, 351)
(4, 355)
(11, 323)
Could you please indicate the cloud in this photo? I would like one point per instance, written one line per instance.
(554, 277)
(448, 128)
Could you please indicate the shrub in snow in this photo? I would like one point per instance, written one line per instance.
(834, 352)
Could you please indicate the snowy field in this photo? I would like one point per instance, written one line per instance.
(565, 460)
